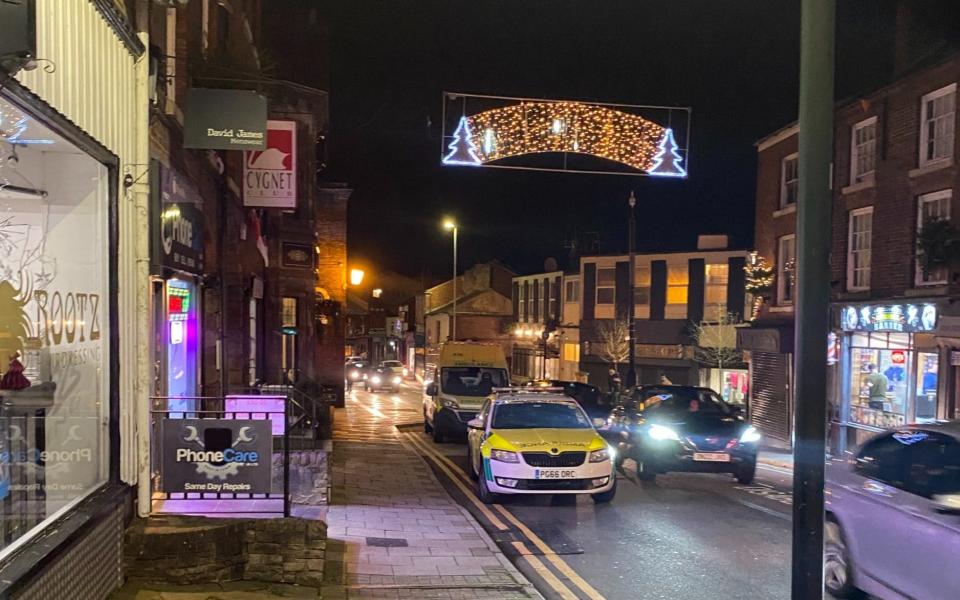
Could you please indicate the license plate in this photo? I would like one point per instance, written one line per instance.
(711, 456)
(555, 474)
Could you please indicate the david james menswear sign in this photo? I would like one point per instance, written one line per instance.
(270, 176)
(216, 456)
(225, 120)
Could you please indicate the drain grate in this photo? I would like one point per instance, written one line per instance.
(379, 542)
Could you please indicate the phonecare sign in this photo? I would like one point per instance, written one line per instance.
(216, 456)
(270, 175)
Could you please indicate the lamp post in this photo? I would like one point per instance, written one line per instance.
(450, 224)
(631, 370)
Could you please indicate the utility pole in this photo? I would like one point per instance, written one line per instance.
(817, 34)
(455, 283)
(632, 369)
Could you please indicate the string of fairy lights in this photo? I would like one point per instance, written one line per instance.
(532, 127)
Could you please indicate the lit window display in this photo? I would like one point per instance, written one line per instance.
(54, 325)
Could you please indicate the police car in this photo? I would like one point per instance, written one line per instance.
(538, 441)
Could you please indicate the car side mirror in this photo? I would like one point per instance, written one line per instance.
(598, 422)
(432, 389)
(947, 503)
(475, 423)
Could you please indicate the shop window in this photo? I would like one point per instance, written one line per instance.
(606, 285)
(932, 207)
(863, 150)
(937, 115)
(641, 288)
(55, 309)
(716, 278)
(573, 291)
(858, 248)
(789, 181)
(786, 269)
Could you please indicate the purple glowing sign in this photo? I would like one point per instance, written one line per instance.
(258, 407)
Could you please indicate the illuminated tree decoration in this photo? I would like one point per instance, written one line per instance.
(532, 127)
(462, 148)
(759, 278)
(668, 162)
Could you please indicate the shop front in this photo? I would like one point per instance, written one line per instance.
(177, 257)
(768, 351)
(888, 369)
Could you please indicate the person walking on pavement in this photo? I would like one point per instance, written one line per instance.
(877, 384)
(613, 386)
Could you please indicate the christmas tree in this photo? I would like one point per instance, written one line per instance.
(759, 278)
(462, 150)
(668, 162)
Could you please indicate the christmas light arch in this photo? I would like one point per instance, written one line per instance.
(535, 127)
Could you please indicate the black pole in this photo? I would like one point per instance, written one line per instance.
(631, 315)
(817, 35)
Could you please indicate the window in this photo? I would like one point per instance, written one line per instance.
(170, 60)
(932, 207)
(554, 292)
(288, 355)
(924, 463)
(678, 279)
(606, 284)
(858, 249)
(253, 373)
(786, 265)
(863, 150)
(937, 113)
(716, 278)
(789, 175)
(288, 313)
(531, 294)
(884, 459)
(521, 303)
(641, 288)
(571, 352)
(573, 291)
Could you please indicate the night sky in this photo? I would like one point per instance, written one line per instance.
(735, 62)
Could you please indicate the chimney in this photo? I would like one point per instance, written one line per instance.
(712, 242)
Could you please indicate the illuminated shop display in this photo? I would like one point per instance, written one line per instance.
(182, 345)
(889, 317)
(533, 127)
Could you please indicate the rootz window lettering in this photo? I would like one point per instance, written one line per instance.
(65, 316)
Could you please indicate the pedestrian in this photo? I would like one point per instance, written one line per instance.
(613, 381)
(877, 384)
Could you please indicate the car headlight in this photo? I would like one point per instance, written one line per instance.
(406, 371)
(354, 374)
(601, 455)
(396, 380)
(661, 433)
(750, 435)
(504, 456)
(450, 403)
(376, 379)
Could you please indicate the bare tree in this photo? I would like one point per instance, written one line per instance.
(717, 342)
(614, 345)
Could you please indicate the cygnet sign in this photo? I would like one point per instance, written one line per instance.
(270, 176)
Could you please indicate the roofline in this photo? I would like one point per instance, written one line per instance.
(641, 255)
(777, 136)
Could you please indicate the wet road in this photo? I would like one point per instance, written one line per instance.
(682, 536)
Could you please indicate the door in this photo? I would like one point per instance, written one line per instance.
(901, 539)
(475, 438)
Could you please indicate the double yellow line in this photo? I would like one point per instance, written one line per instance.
(463, 483)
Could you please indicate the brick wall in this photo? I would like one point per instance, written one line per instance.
(771, 222)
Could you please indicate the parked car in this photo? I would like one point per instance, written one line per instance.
(589, 396)
(893, 516)
(529, 441)
(382, 378)
(395, 366)
(683, 428)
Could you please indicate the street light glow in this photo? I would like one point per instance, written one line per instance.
(449, 224)
(356, 276)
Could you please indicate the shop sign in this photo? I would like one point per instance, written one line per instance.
(181, 237)
(907, 318)
(225, 120)
(270, 176)
(898, 357)
(675, 351)
(297, 255)
(216, 456)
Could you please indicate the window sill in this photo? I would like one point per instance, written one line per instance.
(931, 167)
(792, 208)
(781, 309)
(858, 187)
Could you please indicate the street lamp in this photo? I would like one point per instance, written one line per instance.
(450, 224)
(632, 370)
(356, 276)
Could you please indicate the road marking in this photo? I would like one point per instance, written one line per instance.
(775, 469)
(767, 491)
(551, 556)
(537, 565)
(547, 551)
(466, 491)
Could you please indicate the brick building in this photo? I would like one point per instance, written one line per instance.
(892, 310)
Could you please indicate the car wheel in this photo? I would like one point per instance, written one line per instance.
(486, 496)
(439, 435)
(470, 470)
(645, 471)
(837, 572)
(607, 496)
(746, 473)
